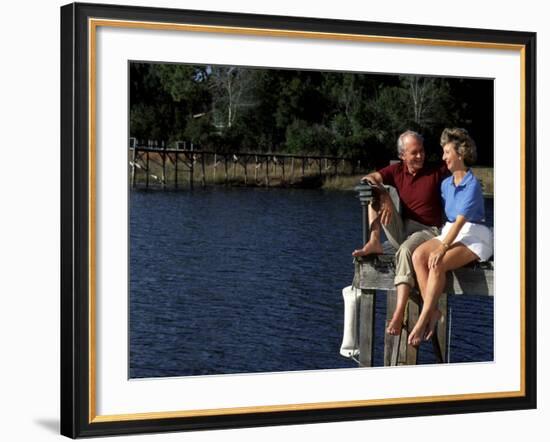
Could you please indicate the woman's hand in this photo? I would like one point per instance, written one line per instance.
(436, 256)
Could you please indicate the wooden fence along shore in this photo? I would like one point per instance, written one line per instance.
(376, 273)
(169, 168)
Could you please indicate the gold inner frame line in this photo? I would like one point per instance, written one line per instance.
(93, 24)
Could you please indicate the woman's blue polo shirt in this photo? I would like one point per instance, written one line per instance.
(465, 199)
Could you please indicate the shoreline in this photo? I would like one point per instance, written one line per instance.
(333, 183)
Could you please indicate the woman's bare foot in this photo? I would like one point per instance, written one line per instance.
(436, 316)
(395, 325)
(416, 335)
(370, 248)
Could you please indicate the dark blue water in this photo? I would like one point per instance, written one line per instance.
(250, 280)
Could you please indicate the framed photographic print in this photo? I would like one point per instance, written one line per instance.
(212, 196)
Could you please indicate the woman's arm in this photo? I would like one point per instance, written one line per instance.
(439, 253)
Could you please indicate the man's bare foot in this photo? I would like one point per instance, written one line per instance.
(416, 335)
(370, 248)
(395, 325)
(436, 316)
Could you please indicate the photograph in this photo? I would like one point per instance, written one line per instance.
(244, 216)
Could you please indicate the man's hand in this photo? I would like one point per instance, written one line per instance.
(366, 180)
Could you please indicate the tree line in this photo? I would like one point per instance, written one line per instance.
(355, 115)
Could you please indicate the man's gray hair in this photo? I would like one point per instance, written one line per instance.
(401, 140)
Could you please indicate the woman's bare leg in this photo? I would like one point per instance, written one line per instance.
(457, 256)
(420, 263)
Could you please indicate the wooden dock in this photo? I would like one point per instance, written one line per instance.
(170, 168)
(375, 274)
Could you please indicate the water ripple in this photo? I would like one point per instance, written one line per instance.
(250, 280)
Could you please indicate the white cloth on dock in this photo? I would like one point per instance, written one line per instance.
(350, 343)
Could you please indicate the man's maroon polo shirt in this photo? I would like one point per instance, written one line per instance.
(420, 194)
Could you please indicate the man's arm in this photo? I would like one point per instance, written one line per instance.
(386, 204)
(374, 178)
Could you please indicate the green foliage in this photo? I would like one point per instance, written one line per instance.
(267, 110)
(303, 137)
(198, 130)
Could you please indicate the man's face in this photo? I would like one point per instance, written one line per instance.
(413, 154)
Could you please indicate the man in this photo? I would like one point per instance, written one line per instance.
(418, 186)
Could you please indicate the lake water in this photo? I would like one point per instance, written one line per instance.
(243, 280)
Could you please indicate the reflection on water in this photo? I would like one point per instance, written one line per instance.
(250, 280)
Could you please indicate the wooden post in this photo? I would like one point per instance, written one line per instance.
(396, 348)
(366, 328)
(215, 167)
(366, 226)
(391, 343)
(203, 167)
(292, 170)
(147, 168)
(267, 171)
(303, 167)
(163, 170)
(235, 159)
(176, 170)
(246, 170)
(134, 167)
(439, 339)
(365, 198)
(409, 353)
(320, 168)
(256, 169)
(225, 167)
(283, 168)
(191, 169)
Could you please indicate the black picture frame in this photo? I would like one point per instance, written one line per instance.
(77, 251)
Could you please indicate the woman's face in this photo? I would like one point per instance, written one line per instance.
(451, 158)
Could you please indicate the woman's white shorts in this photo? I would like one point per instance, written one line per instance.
(477, 237)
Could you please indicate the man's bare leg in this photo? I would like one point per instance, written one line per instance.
(373, 245)
(396, 322)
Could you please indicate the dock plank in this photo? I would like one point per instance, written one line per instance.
(377, 273)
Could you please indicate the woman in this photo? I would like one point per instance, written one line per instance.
(464, 238)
